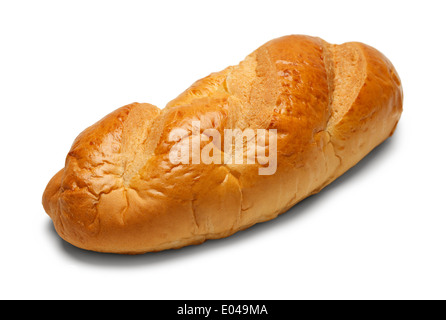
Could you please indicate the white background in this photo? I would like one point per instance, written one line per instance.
(378, 232)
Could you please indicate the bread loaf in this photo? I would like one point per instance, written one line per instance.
(326, 106)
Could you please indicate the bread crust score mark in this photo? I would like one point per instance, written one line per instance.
(330, 104)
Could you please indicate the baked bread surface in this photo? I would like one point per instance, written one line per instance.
(329, 104)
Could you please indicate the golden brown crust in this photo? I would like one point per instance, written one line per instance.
(330, 105)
